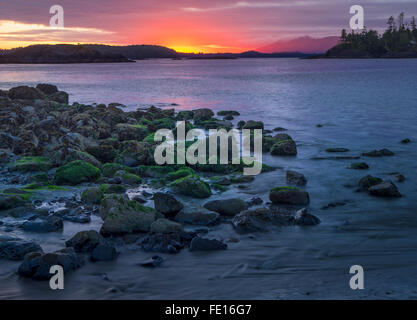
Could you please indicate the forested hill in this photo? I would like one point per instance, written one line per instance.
(136, 52)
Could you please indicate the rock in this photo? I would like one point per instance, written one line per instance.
(36, 265)
(31, 164)
(10, 201)
(368, 181)
(126, 131)
(337, 150)
(259, 220)
(25, 93)
(302, 218)
(153, 262)
(44, 224)
(122, 216)
(104, 252)
(228, 113)
(359, 166)
(334, 205)
(105, 153)
(85, 241)
(296, 178)
(253, 125)
(128, 178)
(139, 198)
(181, 173)
(92, 195)
(385, 189)
(47, 88)
(278, 129)
(254, 201)
(163, 242)
(284, 148)
(165, 226)
(167, 204)
(289, 195)
(202, 244)
(191, 186)
(74, 155)
(113, 188)
(60, 97)
(12, 248)
(405, 141)
(200, 115)
(398, 176)
(226, 207)
(76, 172)
(185, 115)
(110, 169)
(135, 153)
(241, 124)
(196, 215)
(378, 153)
(241, 178)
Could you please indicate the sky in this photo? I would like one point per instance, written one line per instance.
(187, 25)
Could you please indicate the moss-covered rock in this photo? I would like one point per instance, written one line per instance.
(74, 155)
(9, 200)
(31, 164)
(126, 131)
(153, 171)
(105, 153)
(192, 186)
(113, 188)
(368, 181)
(92, 195)
(359, 166)
(134, 153)
(109, 169)
(122, 216)
(284, 148)
(183, 172)
(253, 125)
(76, 172)
(128, 178)
(165, 226)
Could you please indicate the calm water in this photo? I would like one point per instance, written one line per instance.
(363, 105)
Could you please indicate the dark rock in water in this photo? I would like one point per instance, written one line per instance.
(104, 252)
(337, 158)
(44, 224)
(167, 204)
(398, 176)
(12, 248)
(240, 124)
(254, 201)
(337, 150)
(296, 178)
(196, 215)
(405, 141)
(228, 117)
(25, 93)
(284, 148)
(260, 219)
(359, 166)
(385, 190)
(319, 125)
(37, 265)
(226, 207)
(368, 181)
(289, 195)
(85, 241)
(60, 97)
(378, 153)
(163, 242)
(202, 244)
(334, 205)
(228, 113)
(202, 115)
(302, 218)
(250, 124)
(153, 262)
(92, 195)
(278, 129)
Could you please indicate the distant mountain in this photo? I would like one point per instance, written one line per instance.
(136, 52)
(303, 44)
(60, 53)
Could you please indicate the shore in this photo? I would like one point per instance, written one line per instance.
(93, 165)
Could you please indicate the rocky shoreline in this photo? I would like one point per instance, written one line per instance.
(99, 159)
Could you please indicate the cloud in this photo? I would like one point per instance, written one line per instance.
(15, 31)
(245, 4)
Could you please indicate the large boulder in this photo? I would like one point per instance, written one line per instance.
(126, 131)
(167, 204)
(368, 181)
(25, 93)
(47, 88)
(260, 219)
(92, 195)
(60, 97)
(76, 172)
(385, 189)
(191, 186)
(10, 201)
(36, 265)
(74, 154)
(289, 195)
(226, 207)
(134, 153)
(200, 115)
(165, 226)
(284, 148)
(122, 216)
(12, 248)
(196, 215)
(85, 241)
(31, 164)
(104, 252)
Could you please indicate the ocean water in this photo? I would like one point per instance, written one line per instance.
(362, 104)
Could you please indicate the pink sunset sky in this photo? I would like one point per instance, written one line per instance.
(187, 25)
